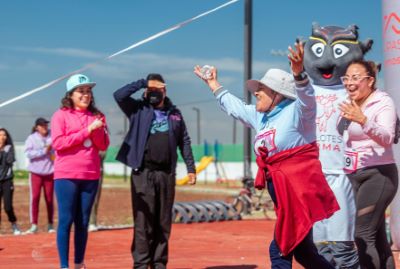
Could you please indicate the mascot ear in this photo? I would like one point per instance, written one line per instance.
(354, 29)
(315, 28)
(375, 66)
(301, 39)
(378, 67)
(366, 45)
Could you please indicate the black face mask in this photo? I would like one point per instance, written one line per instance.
(155, 97)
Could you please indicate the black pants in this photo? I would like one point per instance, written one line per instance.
(374, 189)
(7, 193)
(305, 252)
(153, 195)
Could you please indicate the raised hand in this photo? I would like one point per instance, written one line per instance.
(296, 58)
(155, 84)
(210, 79)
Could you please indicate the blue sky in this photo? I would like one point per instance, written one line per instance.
(43, 40)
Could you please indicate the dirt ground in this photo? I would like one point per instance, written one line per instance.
(219, 245)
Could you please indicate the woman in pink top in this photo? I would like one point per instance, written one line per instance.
(368, 125)
(78, 132)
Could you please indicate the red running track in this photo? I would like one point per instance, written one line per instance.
(223, 245)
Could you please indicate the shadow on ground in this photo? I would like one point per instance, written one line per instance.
(243, 266)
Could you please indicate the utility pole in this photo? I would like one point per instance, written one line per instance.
(198, 124)
(247, 75)
(234, 132)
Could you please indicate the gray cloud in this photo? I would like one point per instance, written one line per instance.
(282, 53)
(176, 67)
(123, 67)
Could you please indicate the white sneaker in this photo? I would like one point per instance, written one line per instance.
(50, 228)
(32, 230)
(92, 228)
(15, 229)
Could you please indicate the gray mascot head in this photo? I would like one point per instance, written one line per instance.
(329, 51)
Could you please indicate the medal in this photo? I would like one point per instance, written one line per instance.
(206, 72)
(87, 143)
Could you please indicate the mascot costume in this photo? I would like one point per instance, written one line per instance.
(327, 54)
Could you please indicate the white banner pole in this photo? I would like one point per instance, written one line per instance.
(391, 50)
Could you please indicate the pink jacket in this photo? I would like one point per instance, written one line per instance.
(77, 151)
(371, 144)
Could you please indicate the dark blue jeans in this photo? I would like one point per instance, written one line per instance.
(305, 253)
(75, 200)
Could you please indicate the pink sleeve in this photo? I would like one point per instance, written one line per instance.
(380, 126)
(100, 136)
(59, 126)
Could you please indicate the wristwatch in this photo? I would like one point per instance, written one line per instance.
(301, 76)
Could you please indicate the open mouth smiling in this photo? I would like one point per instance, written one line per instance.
(326, 73)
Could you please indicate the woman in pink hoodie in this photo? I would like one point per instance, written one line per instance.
(78, 132)
(368, 124)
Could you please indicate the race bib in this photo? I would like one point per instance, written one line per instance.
(267, 140)
(350, 161)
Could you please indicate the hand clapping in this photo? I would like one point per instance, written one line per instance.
(352, 112)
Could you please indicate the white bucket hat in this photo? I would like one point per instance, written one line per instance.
(277, 80)
(79, 80)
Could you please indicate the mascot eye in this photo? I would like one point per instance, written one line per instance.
(318, 49)
(339, 50)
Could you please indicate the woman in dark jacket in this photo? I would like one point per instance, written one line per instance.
(7, 158)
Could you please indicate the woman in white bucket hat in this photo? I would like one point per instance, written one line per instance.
(78, 132)
(285, 146)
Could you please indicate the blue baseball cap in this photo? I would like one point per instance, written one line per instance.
(78, 80)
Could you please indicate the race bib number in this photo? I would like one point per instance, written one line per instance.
(267, 140)
(350, 161)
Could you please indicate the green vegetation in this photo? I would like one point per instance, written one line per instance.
(21, 174)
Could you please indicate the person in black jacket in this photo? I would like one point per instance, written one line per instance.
(156, 130)
(7, 158)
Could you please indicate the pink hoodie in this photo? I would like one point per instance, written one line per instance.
(371, 144)
(77, 151)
